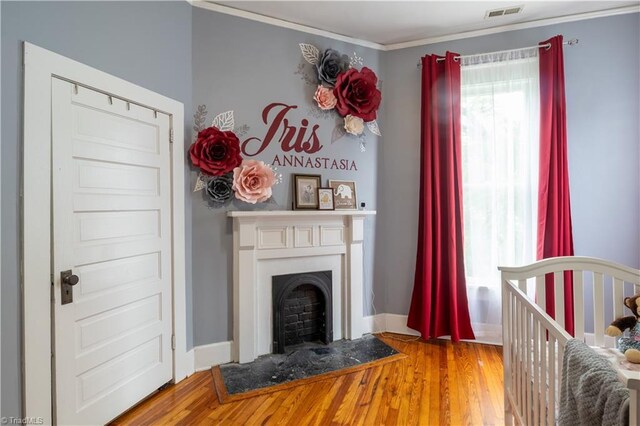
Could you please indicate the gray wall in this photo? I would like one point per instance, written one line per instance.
(243, 66)
(602, 88)
(146, 43)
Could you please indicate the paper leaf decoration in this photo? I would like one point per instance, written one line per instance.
(224, 122)
(373, 127)
(240, 131)
(310, 53)
(200, 184)
(338, 132)
(307, 74)
(355, 60)
(199, 118)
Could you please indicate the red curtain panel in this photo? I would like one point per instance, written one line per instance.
(555, 237)
(439, 302)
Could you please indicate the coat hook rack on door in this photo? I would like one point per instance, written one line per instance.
(78, 84)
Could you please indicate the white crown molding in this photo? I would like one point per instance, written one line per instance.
(203, 4)
(513, 27)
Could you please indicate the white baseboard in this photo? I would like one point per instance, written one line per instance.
(206, 356)
(374, 324)
(392, 323)
(202, 358)
(490, 334)
(190, 366)
(396, 323)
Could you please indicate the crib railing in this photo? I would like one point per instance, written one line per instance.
(534, 342)
(532, 357)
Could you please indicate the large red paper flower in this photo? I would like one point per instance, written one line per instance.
(357, 94)
(215, 152)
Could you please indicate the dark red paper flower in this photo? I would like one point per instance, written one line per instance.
(215, 152)
(357, 94)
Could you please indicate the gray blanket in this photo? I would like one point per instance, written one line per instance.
(591, 393)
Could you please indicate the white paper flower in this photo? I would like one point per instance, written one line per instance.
(353, 125)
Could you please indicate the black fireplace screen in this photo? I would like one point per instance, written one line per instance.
(302, 309)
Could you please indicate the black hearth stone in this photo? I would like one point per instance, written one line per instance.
(301, 361)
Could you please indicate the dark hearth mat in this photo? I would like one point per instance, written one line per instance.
(301, 362)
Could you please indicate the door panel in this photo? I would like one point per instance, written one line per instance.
(109, 276)
(111, 216)
(95, 177)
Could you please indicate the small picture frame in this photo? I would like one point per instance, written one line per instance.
(344, 194)
(325, 199)
(305, 192)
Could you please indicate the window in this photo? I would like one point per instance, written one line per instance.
(500, 125)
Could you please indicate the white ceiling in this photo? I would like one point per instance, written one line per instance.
(392, 22)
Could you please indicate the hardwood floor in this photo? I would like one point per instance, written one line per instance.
(439, 383)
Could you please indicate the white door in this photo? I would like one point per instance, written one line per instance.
(112, 229)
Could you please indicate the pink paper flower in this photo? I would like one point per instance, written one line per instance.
(325, 98)
(252, 181)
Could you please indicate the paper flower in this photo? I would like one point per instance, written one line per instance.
(325, 98)
(215, 152)
(252, 181)
(353, 125)
(330, 64)
(220, 188)
(356, 94)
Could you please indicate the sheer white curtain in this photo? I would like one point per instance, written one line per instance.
(500, 126)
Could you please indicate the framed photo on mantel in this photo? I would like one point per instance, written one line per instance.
(344, 194)
(305, 191)
(325, 199)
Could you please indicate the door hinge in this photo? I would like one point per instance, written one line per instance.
(52, 293)
(173, 342)
(171, 135)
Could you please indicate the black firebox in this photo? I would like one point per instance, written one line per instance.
(302, 309)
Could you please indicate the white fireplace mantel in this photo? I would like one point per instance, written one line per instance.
(301, 213)
(267, 243)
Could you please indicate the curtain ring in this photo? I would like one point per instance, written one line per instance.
(548, 46)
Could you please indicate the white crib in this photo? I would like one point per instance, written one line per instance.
(534, 342)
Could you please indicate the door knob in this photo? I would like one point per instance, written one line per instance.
(68, 280)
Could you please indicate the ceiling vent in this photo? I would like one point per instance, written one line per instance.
(512, 10)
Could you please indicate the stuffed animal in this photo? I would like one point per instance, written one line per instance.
(629, 346)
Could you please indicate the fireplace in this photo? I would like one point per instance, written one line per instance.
(275, 243)
(302, 309)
